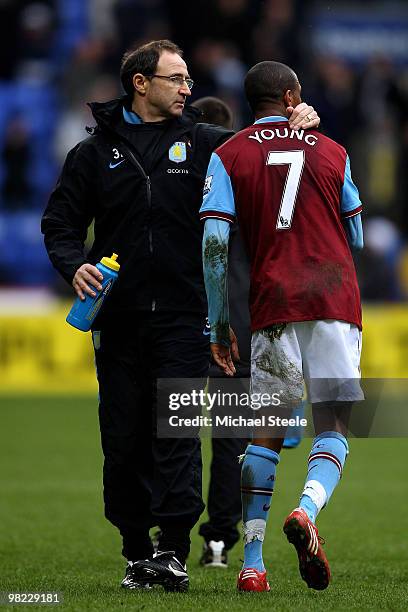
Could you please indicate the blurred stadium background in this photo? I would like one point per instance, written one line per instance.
(55, 55)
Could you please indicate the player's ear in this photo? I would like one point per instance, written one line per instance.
(139, 83)
(288, 98)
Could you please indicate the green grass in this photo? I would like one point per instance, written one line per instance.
(53, 535)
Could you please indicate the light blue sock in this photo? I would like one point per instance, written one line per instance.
(257, 483)
(326, 461)
(294, 433)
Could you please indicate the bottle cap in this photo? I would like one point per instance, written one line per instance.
(110, 262)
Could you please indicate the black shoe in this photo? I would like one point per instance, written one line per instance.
(129, 581)
(214, 555)
(163, 568)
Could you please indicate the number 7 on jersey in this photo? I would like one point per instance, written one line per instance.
(295, 160)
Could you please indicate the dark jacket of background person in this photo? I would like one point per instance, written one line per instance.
(216, 112)
(148, 215)
(238, 292)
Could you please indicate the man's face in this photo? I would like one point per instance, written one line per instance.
(166, 97)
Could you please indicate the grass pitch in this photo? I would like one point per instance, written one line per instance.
(53, 536)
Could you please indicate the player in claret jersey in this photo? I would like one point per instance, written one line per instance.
(299, 214)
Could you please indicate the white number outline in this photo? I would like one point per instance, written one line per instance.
(296, 161)
(116, 154)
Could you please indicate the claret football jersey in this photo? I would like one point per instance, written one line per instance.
(290, 191)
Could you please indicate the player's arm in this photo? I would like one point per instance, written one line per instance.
(350, 209)
(218, 211)
(215, 266)
(354, 232)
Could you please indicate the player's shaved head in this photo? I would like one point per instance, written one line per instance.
(266, 84)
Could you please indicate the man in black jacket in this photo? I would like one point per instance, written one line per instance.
(140, 176)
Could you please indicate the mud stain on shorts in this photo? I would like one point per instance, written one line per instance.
(272, 370)
(279, 367)
(273, 332)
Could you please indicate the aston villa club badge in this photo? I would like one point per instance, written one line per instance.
(178, 152)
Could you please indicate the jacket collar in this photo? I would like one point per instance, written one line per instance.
(106, 114)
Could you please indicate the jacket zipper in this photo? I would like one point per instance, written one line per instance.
(135, 162)
(149, 200)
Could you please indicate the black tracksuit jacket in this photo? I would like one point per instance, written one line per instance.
(148, 215)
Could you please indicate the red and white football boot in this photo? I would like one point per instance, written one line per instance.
(250, 579)
(313, 565)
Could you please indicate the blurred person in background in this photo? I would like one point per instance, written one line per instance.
(224, 508)
(140, 175)
(226, 22)
(27, 30)
(335, 91)
(220, 532)
(70, 127)
(16, 189)
(278, 25)
(214, 111)
(377, 263)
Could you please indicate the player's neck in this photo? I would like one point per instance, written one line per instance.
(271, 111)
(146, 112)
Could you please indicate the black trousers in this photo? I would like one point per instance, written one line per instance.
(148, 481)
(224, 495)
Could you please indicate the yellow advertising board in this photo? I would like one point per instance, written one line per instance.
(385, 341)
(41, 353)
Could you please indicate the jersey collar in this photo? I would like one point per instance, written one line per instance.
(271, 119)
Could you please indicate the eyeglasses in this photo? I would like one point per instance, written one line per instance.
(176, 80)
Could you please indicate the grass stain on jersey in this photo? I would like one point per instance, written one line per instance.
(215, 251)
(321, 278)
(215, 261)
(221, 329)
